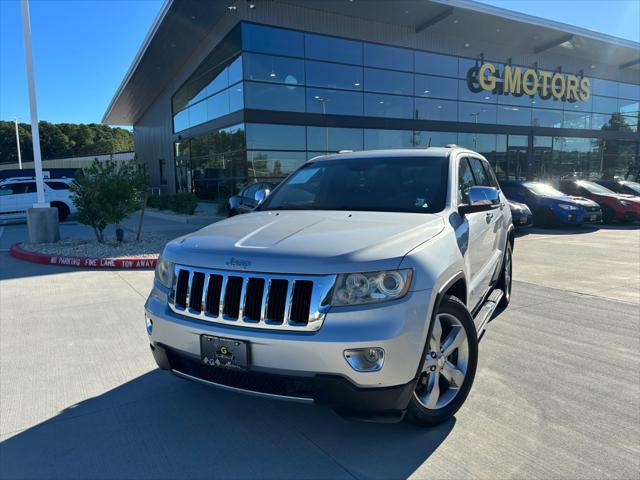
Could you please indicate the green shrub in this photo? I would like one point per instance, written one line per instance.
(183, 203)
(107, 193)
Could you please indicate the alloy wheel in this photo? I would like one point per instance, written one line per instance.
(445, 365)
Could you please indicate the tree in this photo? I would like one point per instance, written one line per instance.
(107, 193)
(63, 140)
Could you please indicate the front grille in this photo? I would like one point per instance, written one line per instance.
(288, 302)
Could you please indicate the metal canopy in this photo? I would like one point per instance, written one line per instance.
(182, 25)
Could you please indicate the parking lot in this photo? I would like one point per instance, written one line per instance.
(556, 395)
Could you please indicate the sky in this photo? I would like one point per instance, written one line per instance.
(83, 48)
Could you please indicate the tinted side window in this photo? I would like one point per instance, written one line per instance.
(58, 185)
(569, 188)
(490, 174)
(6, 190)
(478, 172)
(465, 181)
(27, 188)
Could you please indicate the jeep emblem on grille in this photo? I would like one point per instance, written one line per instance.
(238, 262)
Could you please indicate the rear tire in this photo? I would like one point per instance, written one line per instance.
(448, 367)
(506, 277)
(63, 211)
(233, 212)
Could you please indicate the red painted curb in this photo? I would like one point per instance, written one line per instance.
(81, 262)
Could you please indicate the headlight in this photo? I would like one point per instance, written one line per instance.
(372, 287)
(624, 203)
(164, 272)
(566, 206)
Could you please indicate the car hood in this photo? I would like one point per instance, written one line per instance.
(311, 242)
(617, 196)
(584, 202)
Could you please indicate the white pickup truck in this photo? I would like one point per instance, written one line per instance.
(362, 282)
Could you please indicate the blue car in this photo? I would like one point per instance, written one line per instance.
(551, 207)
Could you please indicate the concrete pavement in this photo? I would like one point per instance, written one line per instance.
(557, 393)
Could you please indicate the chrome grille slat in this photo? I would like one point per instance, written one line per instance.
(287, 304)
(318, 292)
(223, 291)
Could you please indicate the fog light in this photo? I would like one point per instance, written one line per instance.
(149, 323)
(365, 359)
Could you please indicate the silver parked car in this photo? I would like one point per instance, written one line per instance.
(362, 282)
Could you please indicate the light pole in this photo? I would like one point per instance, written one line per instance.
(475, 116)
(35, 133)
(42, 220)
(324, 102)
(15, 119)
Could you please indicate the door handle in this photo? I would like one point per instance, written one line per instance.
(489, 216)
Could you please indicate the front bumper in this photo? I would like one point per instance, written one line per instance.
(328, 390)
(521, 220)
(312, 358)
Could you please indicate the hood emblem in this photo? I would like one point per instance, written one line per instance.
(238, 263)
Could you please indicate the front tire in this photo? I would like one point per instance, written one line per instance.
(607, 214)
(544, 218)
(449, 366)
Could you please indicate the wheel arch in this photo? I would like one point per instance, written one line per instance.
(455, 285)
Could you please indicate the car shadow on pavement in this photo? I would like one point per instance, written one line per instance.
(159, 426)
(575, 230)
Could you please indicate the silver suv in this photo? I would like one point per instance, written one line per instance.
(362, 282)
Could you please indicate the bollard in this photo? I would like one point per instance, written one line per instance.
(43, 225)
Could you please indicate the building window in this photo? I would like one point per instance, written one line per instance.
(389, 106)
(512, 115)
(162, 165)
(436, 109)
(330, 75)
(542, 117)
(334, 102)
(263, 136)
(333, 49)
(385, 81)
(435, 64)
(325, 139)
(388, 57)
(378, 139)
(438, 87)
(260, 38)
(477, 113)
(265, 96)
(267, 68)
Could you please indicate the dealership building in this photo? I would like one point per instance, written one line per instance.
(227, 92)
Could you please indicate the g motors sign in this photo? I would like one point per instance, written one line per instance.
(519, 81)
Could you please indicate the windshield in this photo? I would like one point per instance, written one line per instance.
(543, 189)
(633, 186)
(387, 184)
(595, 188)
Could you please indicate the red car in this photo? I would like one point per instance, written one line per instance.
(615, 206)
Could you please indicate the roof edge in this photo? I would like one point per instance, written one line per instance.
(538, 21)
(136, 60)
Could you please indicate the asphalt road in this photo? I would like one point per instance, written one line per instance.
(557, 393)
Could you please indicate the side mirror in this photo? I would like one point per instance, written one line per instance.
(261, 195)
(481, 199)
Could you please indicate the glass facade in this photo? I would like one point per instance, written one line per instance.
(262, 68)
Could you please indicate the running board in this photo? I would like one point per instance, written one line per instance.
(486, 311)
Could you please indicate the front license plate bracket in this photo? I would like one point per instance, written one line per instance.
(224, 352)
